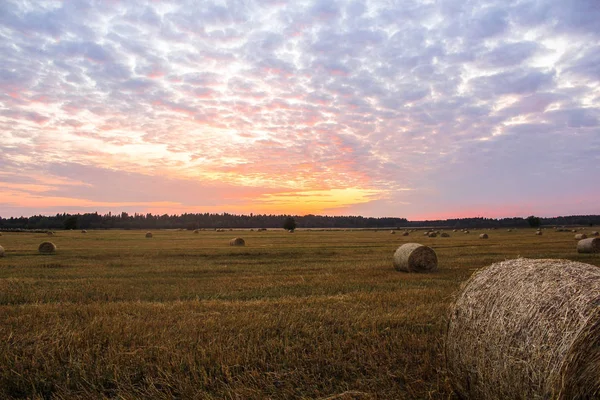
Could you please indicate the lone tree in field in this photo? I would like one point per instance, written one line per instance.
(289, 224)
(534, 222)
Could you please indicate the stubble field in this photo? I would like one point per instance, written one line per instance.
(309, 315)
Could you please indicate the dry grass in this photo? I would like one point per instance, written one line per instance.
(47, 248)
(414, 257)
(528, 329)
(589, 245)
(237, 242)
(305, 316)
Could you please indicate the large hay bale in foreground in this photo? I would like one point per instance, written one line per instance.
(590, 245)
(580, 236)
(1, 251)
(148, 234)
(527, 329)
(483, 236)
(237, 242)
(47, 248)
(414, 257)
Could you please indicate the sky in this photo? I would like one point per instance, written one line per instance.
(416, 109)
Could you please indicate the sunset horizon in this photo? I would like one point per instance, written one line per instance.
(418, 110)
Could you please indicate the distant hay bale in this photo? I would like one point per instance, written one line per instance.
(83, 231)
(47, 248)
(466, 231)
(432, 234)
(0, 233)
(509, 230)
(237, 242)
(595, 233)
(1, 251)
(414, 257)
(453, 230)
(527, 329)
(539, 233)
(444, 234)
(580, 236)
(148, 234)
(196, 230)
(426, 234)
(405, 234)
(393, 232)
(50, 233)
(590, 245)
(483, 236)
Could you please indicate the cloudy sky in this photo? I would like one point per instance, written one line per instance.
(416, 109)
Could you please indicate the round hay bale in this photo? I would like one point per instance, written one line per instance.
(405, 234)
(148, 234)
(237, 242)
(50, 233)
(466, 231)
(393, 232)
(444, 234)
(1, 251)
(0, 233)
(580, 236)
(590, 245)
(509, 230)
(483, 236)
(595, 233)
(414, 257)
(527, 329)
(47, 248)
(426, 234)
(432, 234)
(539, 233)
(83, 231)
(196, 230)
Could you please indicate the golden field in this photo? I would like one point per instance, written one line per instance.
(315, 314)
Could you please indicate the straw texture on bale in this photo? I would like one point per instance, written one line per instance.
(527, 329)
(414, 257)
(590, 245)
(483, 236)
(580, 236)
(47, 248)
(237, 242)
(1, 251)
(148, 234)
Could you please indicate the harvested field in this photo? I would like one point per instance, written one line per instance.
(305, 316)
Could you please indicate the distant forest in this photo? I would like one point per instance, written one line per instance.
(225, 220)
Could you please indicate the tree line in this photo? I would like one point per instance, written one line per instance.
(226, 220)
